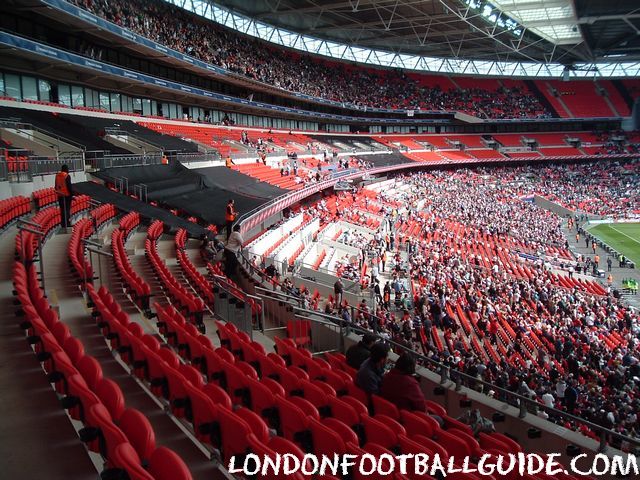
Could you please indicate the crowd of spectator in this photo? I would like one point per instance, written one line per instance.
(574, 367)
(585, 358)
(603, 188)
(360, 87)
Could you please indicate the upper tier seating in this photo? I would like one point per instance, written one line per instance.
(269, 175)
(339, 82)
(580, 98)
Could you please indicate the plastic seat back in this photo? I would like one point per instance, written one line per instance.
(74, 349)
(90, 370)
(165, 464)
(110, 435)
(377, 432)
(125, 458)
(384, 407)
(135, 425)
(325, 440)
(111, 396)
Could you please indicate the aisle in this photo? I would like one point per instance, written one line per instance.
(37, 439)
(73, 311)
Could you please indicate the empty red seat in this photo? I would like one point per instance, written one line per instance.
(125, 458)
(111, 396)
(165, 464)
(139, 432)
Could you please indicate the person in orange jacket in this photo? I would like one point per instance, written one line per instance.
(64, 192)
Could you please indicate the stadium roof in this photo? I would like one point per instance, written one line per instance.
(501, 37)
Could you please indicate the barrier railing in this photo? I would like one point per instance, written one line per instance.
(28, 127)
(101, 162)
(234, 306)
(194, 157)
(4, 167)
(35, 166)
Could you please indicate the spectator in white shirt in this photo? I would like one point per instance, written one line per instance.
(234, 245)
(235, 240)
(548, 399)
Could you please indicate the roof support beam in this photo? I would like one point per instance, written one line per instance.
(604, 18)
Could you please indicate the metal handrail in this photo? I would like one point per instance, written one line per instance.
(120, 131)
(18, 125)
(228, 287)
(36, 230)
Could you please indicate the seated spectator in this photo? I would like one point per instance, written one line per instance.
(358, 353)
(400, 386)
(361, 87)
(369, 377)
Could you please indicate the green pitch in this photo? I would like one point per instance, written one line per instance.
(623, 237)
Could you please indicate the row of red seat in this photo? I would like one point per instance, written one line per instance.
(134, 285)
(102, 214)
(260, 403)
(44, 197)
(408, 432)
(188, 303)
(88, 397)
(12, 208)
(293, 403)
(138, 449)
(48, 219)
(83, 229)
(16, 163)
(494, 443)
(196, 279)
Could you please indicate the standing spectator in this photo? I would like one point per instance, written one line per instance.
(570, 397)
(338, 291)
(230, 216)
(233, 247)
(64, 191)
(609, 262)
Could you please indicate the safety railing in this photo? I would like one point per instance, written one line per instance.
(4, 167)
(132, 138)
(200, 157)
(34, 166)
(234, 306)
(101, 162)
(35, 229)
(27, 127)
(141, 191)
